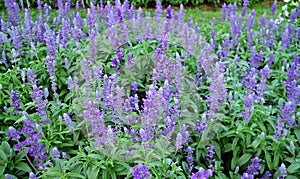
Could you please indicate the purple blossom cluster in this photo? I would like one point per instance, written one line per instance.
(140, 172)
(35, 150)
(190, 158)
(201, 125)
(39, 96)
(13, 11)
(252, 169)
(217, 91)
(210, 156)
(202, 174)
(15, 102)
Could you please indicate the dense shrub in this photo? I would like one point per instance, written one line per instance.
(119, 94)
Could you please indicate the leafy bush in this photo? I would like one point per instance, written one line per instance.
(119, 94)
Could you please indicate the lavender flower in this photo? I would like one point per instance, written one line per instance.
(55, 153)
(252, 169)
(245, 7)
(250, 79)
(265, 73)
(140, 172)
(280, 130)
(189, 158)
(146, 135)
(39, 99)
(15, 34)
(68, 121)
(32, 141)
(273, 8)
(202, 174)
(15, 101)
(292, 89)
(64, 155)
(201, 125)
(282, 170)
(179, 141)
(217, 91)
(210, 156)
(29, 24)
(267, 175)
(8, 176)
(13, 11)
(50, 60)
(70, 83)
(158, 11)
(250, 21)
(249, 99)
(32, 175)
(134, 87)
(13, 133)
(169, 12)
(152, 105)
(224, 13)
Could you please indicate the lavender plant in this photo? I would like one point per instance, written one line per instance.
(116, 93)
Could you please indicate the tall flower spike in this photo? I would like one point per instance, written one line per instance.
(245, 7)
(158, 11)
(273, 8)
(217, 90)
(190, 159)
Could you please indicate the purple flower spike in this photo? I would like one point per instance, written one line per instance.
(190, 159)
(202, 174)
(32, 175)
(282, 170)
(55, 153)
(252, 169)
(140, 172)
(13, 133)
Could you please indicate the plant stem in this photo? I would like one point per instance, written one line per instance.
(172, 161)
(30, 162)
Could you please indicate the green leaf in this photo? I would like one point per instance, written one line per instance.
(2, 169)
(5, 147)
(269, 160)
(297, 133)
(233, 162)
(244, 159)
(291, 177)
(255, 144)
(3, 155)
(75, 175)
(19, 156)
(293, 167)
(93, 172)
(276, 159)
(23, 166)
(234, 143)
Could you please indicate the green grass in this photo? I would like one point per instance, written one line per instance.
(205, 14)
